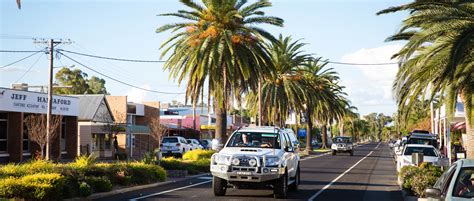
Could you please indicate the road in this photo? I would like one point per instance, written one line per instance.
(368, 175)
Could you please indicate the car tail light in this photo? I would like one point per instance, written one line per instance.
(177, 144)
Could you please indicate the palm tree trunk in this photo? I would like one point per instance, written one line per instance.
(309, 126)
(324, 136)
(221, 112)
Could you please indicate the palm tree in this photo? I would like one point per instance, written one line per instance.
(221, 44)
(438, 57)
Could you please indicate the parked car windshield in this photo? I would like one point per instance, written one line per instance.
(464, 186)
(204, 142)
(170, 140)
(426, 151)
(342, 140)
(422, 141)
(254, 139)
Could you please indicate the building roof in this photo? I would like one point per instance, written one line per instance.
(89, 106)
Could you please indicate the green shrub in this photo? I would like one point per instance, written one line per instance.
(99, 184)
(406, 175)
(84, 161)
(84, 189)
(30, 167)
(39, 186)
(425, 178)
(198, 154)
(142, 173)
(193, 167)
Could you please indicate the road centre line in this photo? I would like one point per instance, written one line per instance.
(169, 191)
(341, 175)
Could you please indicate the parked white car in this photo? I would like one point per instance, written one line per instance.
(174, 146)
(194, 144)
(430, 155)
(456, 184)
(256, 158)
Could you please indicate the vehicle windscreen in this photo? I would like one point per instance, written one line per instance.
(189, 141)
(204, 142)
(422, 141)
(426, 151)
(170, 140)
(464, 186)
(342, 140)
(254, 139)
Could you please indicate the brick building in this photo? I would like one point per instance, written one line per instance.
(15, 143)
(137, 118)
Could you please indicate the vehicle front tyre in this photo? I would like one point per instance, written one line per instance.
(294, 185)
(280, 189)
(219, 186)
(333, 152)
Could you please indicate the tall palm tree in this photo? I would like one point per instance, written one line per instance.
(438, 57)
(221, 44)
(322, 97)
(284, 88)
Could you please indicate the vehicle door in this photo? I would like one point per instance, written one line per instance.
(185, 144)
(290, 155)
(444, 181)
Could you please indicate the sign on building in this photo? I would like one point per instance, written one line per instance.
(34, 102)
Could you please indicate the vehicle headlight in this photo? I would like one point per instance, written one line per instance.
(235, 161)
(272, 161)
(221, 159)
(252, 162)
(333, 146)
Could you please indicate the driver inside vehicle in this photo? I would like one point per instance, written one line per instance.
(245, 139)
(469, 187)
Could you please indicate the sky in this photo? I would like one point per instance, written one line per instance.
(338, 30)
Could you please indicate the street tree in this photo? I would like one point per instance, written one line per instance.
(220, 43)
(438, 56)
(36, 126)
(76, 82)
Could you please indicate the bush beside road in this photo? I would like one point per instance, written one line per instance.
(415, 179)
(40, 180)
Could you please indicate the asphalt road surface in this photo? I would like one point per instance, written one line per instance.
(368, 175)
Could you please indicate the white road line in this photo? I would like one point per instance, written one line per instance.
(169, 191)
(320, 155)
(341, 175)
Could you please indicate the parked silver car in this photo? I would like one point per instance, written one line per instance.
(456, 184)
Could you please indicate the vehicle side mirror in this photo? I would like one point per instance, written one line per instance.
(288, 149)
(433, 192)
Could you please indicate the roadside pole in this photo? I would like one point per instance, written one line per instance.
(51, 44)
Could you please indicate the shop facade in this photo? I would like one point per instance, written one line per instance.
(16, 144)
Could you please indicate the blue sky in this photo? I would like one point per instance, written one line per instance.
(338, 30)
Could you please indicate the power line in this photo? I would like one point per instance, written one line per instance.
(130, 85)
(162, 61)
(20, 51)
(21, 59)
(29, 69)
(111, 58)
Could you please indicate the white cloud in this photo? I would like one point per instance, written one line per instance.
(137, 95)
(371, 85)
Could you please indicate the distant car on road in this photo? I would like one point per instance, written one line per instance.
(430, 155)
(342, 144)
(256, 158)
(174, 146)
(457, 183)
(194, 144)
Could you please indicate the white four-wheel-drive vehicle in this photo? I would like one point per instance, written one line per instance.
(342, 144)
(174, 146)
(256, 158)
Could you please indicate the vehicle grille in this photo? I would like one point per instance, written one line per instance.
(247, 169)
(244, 161)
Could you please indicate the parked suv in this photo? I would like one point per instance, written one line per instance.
(174, 146)
(342, 144)
(256, 158)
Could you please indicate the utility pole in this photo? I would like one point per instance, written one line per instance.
(51, 44)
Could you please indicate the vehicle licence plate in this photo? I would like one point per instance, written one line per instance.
(243, 173)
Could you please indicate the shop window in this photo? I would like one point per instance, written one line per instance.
(101, 141)
(3, 131)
